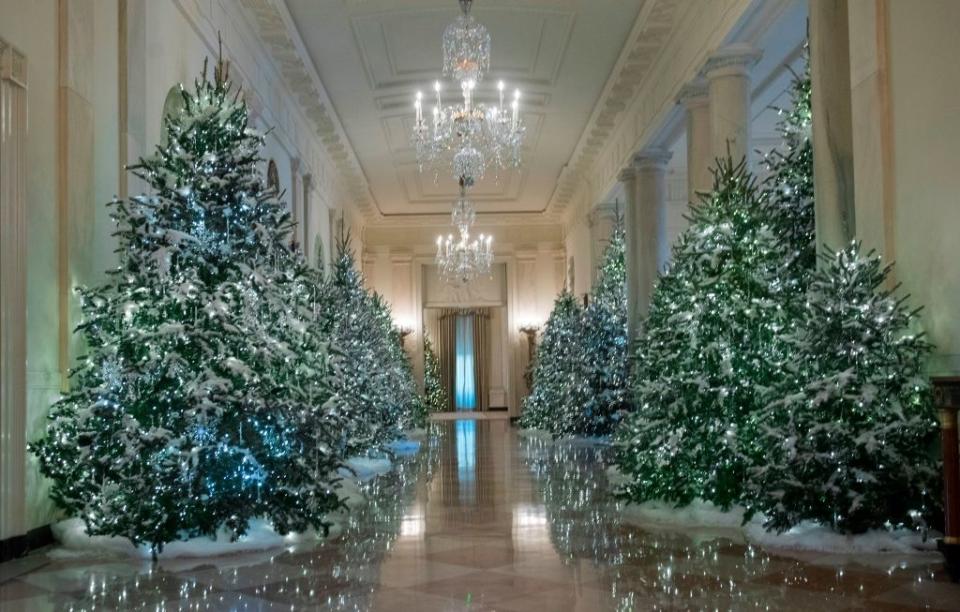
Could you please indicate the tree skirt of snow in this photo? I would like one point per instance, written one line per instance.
(536, 434)
(616, 477)
(365, 468)
(72, 535)
(404, 447)
(696, 514)
(808, 536)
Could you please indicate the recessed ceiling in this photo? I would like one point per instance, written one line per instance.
(373, 55)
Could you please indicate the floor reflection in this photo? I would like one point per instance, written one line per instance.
(483, 520)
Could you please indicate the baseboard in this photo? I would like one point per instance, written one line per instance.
(497, 408)
(20, 545)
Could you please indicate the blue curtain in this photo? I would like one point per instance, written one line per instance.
(465, 388)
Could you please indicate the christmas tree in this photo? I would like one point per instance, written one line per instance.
(435, 395)
(373, 376)
(789, 185)
(604, 349)
(850, 445)
(197, 406)
(558, 379)
(712, 340)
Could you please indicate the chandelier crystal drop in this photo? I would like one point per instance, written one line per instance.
(459, 258)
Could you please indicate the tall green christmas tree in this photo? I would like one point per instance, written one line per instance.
(374, 378)
(435, 395)
(604, 349)
(789, 185)
(182, 417)
(712, 340)
(849, 446)
(558, 379)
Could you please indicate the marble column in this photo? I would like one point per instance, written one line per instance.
(13, 292)
(600, 220)
(728, 74)
(296, 203)
(651, 205)
(309, 240)
(832, 130)
(696, 106)
(628, 178)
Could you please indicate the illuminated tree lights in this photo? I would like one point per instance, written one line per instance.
(207, 394)
(712, 340)
(435, 395)
(558, 381)
(847, 438)
(374, 377)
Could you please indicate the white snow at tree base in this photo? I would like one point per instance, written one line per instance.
(807, 536)
(365, 468)
(72, 535)
(536, 434)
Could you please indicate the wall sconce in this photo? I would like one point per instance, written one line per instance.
(403, 331)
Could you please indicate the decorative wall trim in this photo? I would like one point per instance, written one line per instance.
(652, 29)
(279, 35)
(13, 290)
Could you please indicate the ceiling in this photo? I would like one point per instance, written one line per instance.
(373, 55)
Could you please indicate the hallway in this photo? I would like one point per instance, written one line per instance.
(482, 519)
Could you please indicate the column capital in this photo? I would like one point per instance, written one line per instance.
(295, 164)
(735, 59)
(627, 174)
(653, 157)
(694, 94)
(602, 210)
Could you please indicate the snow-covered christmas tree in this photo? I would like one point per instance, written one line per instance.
(712, 340)
(435, 394)
(182, 418)
(850, 445)
(604, 348)
(558, 379)
(373, 378)
(789, 185)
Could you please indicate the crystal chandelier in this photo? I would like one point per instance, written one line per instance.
(467, 137)
(461, 259)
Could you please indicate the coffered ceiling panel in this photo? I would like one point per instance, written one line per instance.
(373, 55)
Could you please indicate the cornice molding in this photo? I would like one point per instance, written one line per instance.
(652, 29)
(732, 59)
(279, 35)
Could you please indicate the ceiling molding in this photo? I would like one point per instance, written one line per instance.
(275, 28)
(651, 30)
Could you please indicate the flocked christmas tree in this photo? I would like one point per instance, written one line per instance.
(711, 342)
(373, 376)
(558, 379)
(435, 394)
(789, 185)
(204, 399)
(604, 348)
(850, 445)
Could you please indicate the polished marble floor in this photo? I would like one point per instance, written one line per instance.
(481, 519)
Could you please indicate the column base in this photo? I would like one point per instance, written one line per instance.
(951, 554)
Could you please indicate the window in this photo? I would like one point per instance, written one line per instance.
(465, 388)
